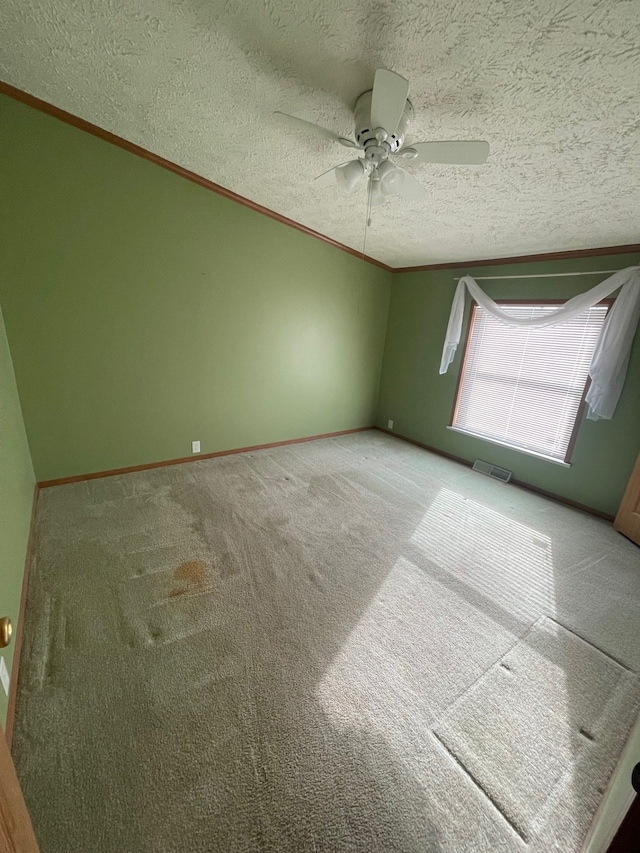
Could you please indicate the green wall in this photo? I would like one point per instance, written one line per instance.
(144, 311)
(419, 400)
(16, 499)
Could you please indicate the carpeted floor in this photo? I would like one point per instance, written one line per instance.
(345, 645)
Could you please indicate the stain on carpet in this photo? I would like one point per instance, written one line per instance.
(190, 576)
(359, 658)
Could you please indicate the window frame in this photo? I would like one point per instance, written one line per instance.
(566, 460)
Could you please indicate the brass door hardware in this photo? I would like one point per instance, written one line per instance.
(6, 630)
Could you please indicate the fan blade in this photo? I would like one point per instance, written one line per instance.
(301, 124)
(410, 189)
(463, 153)
(328, 178)
(388, 101)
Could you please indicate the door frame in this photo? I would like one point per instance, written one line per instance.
(617, 799)
(16, 830)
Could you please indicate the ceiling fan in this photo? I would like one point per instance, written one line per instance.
(382, 117)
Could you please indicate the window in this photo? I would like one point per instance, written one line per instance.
(524, 387)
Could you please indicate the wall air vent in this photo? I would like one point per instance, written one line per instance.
(492, 471)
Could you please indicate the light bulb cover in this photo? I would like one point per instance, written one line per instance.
(390, 178)
(349, 176)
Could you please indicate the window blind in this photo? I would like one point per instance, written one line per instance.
(523, 386)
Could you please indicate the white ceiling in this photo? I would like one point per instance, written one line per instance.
(553, 86)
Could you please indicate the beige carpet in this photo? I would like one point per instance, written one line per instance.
(345, 645)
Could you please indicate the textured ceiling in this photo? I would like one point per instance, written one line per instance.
(553, 86)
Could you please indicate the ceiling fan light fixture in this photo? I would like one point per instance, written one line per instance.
(350, 175)
(390, 178)
(382, 116)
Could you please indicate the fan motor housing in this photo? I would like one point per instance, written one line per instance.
(365, 133)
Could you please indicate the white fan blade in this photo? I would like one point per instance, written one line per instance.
(463, 153)
(388, 101)
(410, 189)
(328, 178)
(300, 123)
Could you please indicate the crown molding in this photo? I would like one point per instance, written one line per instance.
(526, 259)
(107, 136)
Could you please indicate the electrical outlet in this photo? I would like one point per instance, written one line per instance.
(4, 675)
(195, 447)
(389, 424)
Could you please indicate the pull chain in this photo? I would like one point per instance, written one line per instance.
(367, 223)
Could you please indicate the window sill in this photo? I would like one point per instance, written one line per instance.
(511, 446)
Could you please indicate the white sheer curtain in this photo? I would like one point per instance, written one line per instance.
(611, 358)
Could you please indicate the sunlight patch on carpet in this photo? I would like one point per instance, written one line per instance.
(526, 730)
(409, 654)
(502, 559)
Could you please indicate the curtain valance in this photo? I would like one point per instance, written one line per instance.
(611, 358)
